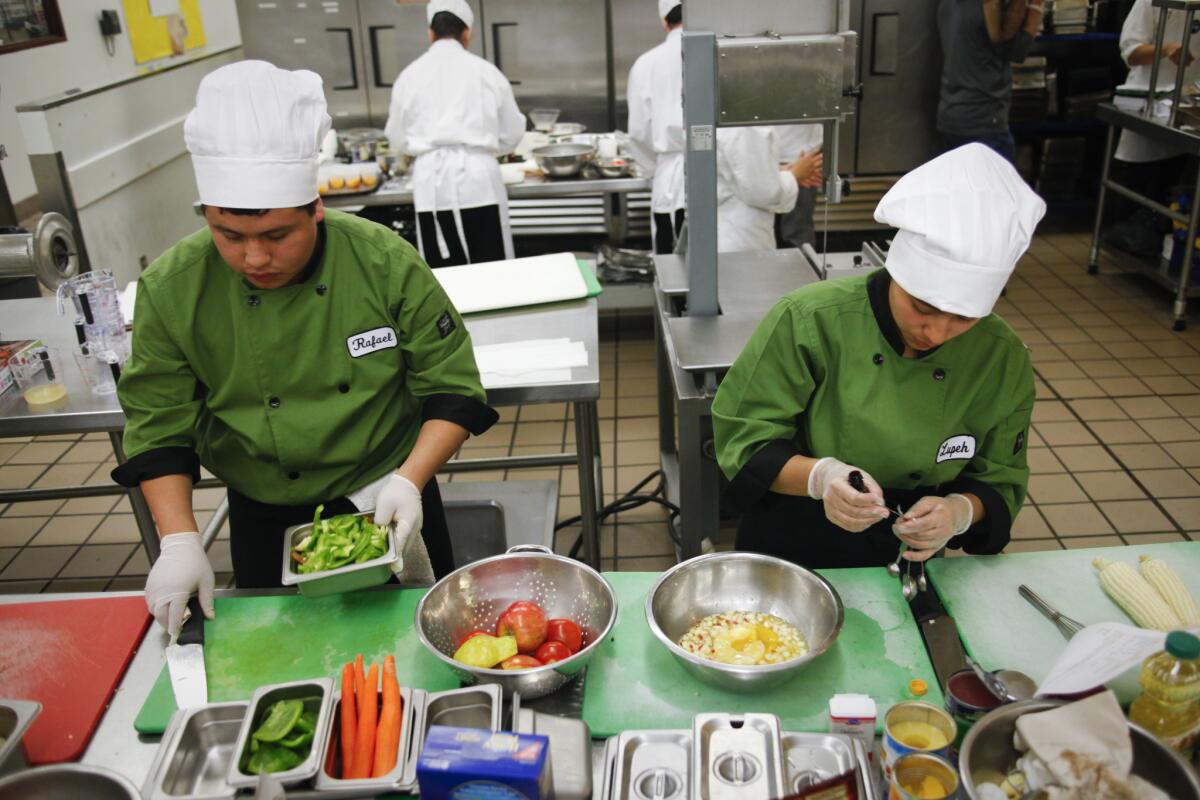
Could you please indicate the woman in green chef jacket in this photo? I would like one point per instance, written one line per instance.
(903, 376)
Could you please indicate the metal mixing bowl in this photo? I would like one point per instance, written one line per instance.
(473, 597)
(722, 582)
(563, 160)
(988, 751)
(68, 782)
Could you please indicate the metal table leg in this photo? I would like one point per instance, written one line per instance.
(699, 507)
(587, 438)
(666, 391)
(214, 525)
(1094, 256)
(1189, 252)
(141, 509)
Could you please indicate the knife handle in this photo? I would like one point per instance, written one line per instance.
(192, 631)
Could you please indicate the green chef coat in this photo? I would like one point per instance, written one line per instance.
(824, 375)
(298, 394)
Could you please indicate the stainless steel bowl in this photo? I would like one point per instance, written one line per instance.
(567, 129)
(68, 782)
(722, 582)
(563, 160)
(15, 718)
(474, 596)
(988, 751)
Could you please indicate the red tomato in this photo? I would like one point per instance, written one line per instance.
(520, 662)
(550, 652)
(523, 604)
(472, 635)
(527, 622)
(565, 631)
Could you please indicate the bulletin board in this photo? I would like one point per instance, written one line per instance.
(163, 28)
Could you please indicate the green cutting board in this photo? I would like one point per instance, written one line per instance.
(1001, 630)
(254, 641)
(634, 683)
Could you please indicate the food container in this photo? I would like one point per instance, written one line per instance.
(68, 782)
(652, 764)
(543, 119)
(196, 752)
(610, 769)
(338, 178)
(15, 718)
(616, 167)
(967, 701)
(331, 761)
(343, 579)
(922, 776)
(739, 757)
(927, 727)
(570, 750)
(811, 758)
(473, 596)
(723, 582)
(563, 160)
(39, 375)
(567, 129)
(318, 696)
(472, 707)
(853, 715)
(360, 144)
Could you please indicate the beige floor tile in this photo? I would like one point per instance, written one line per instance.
(97, 561)
(1104, 369)
(138, 564)
(645, 539)
(1168, 384)
(18, 531)
(1149, 367)
(89, 505)
(41, 453)
(1046, 353)
(1170, 429)
(638, 452)
(127, 584)
(1057, 434)
(651, 564)
(638, 407)
(37, 562)
(1041, 391)
(1057, 370)
(540, 433)
(1066, 334)
(7, 554)
(207, 499)
(1097, 409)
(482, 476)
(1042, 461)
(1029, 524)
(21, 587)
(637, 429)
(1069, 388)
(1135, 516)
(35, 508)
(20, 476)
(473, 453)
(65, 475)
(1119, 432)
(77, 585)
(72, 530)
(637, 387)
(1052, 411)
(1123, 387)
(1078, 519)
(1129, 350)
(1185, 511)
(9, 449)
(1139, 539)
(1109, 486)
(58, 437)
(1146, 407)
(120, 529)
(1142, 456)
(1110, 335)
(1081, 351)
(220, 557)
(1168, 482)
(1186, 453)
(87, 453)
(1045, 489)
(1084, 542)
(1186, 405)
(637, 369)
(102, 475)
(1032, 545)
(543, 412)
(1090, 458)
(495, 436)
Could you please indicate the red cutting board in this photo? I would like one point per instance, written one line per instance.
(69, 656)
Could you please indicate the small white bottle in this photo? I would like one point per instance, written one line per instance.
(854, 715)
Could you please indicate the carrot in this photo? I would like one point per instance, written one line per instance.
(360, 674)
(349, 719)
(368, 712)
(387, 738)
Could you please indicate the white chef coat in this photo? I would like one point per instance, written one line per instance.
(1138, 30)
(655, 97)
(455, 113)
(751, 189)
(792, 139)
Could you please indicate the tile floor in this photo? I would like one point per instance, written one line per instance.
(1115, 450)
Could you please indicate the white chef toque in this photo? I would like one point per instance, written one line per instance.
(254, 136)
(458, 8)
(665, 6)
(965, 218)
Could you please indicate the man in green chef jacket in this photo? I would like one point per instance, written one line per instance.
(303, 356)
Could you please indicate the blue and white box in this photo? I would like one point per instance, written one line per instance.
(476, 764)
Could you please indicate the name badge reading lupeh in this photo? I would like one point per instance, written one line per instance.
(957, 448)
(361, 344)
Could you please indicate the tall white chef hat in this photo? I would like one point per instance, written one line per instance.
(665, 6)
(965, 218)
(254, 136)
(458, 8)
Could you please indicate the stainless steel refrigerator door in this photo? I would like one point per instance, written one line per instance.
(554, 53)
(394, 34)
(320, 36)
(636, 29)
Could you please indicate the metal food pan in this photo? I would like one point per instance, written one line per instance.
(570, 750)
(335, 581)
(318, 695)
(382, 784)
(737, 756)
(15, 718)
(652, 764)
(809, 758)
(192, 763)
(610, 769)
(472, 707)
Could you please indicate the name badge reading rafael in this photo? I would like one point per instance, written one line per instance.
(957, 448)
(361, 344)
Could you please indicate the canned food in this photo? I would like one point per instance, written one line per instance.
(922, 776)
(915, 727)
(967, 700)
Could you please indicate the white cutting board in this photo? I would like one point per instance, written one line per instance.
(1001, 630)
(494, 285)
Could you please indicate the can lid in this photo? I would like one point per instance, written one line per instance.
(1182, 644)
(918, 687)
(851, 705)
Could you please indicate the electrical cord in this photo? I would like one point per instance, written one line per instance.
(627, 502)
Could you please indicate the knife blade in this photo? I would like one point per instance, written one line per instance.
(185, 660)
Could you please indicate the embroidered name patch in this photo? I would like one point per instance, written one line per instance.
(445, 324)
(957, 448)
(361, 344)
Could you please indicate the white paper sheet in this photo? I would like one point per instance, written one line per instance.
(529, 361)
(126, 300)
(1099, 653)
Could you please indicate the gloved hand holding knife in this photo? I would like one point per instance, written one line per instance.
(182, 569)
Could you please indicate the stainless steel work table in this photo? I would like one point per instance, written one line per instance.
(88, 413)
(398, 191)
(693, 354)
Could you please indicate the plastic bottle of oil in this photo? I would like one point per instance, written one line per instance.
(1169, 706)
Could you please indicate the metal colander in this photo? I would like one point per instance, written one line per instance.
(473, 597)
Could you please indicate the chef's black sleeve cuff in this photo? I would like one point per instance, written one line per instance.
(754, 479)
(156, 463)
(992, 533)
(468, 412)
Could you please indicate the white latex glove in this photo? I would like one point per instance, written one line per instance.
(845, 506)
(931, 522)
(182, 568)
(399, 505)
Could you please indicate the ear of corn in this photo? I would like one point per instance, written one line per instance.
(1170, 587)
(1135, 595)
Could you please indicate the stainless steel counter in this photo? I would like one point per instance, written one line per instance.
(398, 191)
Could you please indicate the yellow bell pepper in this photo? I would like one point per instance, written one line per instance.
(486, 651)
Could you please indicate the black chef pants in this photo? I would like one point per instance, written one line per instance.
(256, 535)
(666, 231)
(482, 227)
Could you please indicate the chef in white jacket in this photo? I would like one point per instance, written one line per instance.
(655, 97)
(455, 113)
(797, 142)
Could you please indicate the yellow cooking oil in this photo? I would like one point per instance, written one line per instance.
(919, 735)
(1169, 706)
(928, 788)
(44, 394)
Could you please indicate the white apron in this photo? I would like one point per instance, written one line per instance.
(668, 191)
(446, 169)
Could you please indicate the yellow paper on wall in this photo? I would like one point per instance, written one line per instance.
(153, 37)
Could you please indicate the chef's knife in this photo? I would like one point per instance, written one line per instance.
(185, 660)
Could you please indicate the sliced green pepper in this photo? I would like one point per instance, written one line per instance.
(281, 717)
(273, 758)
